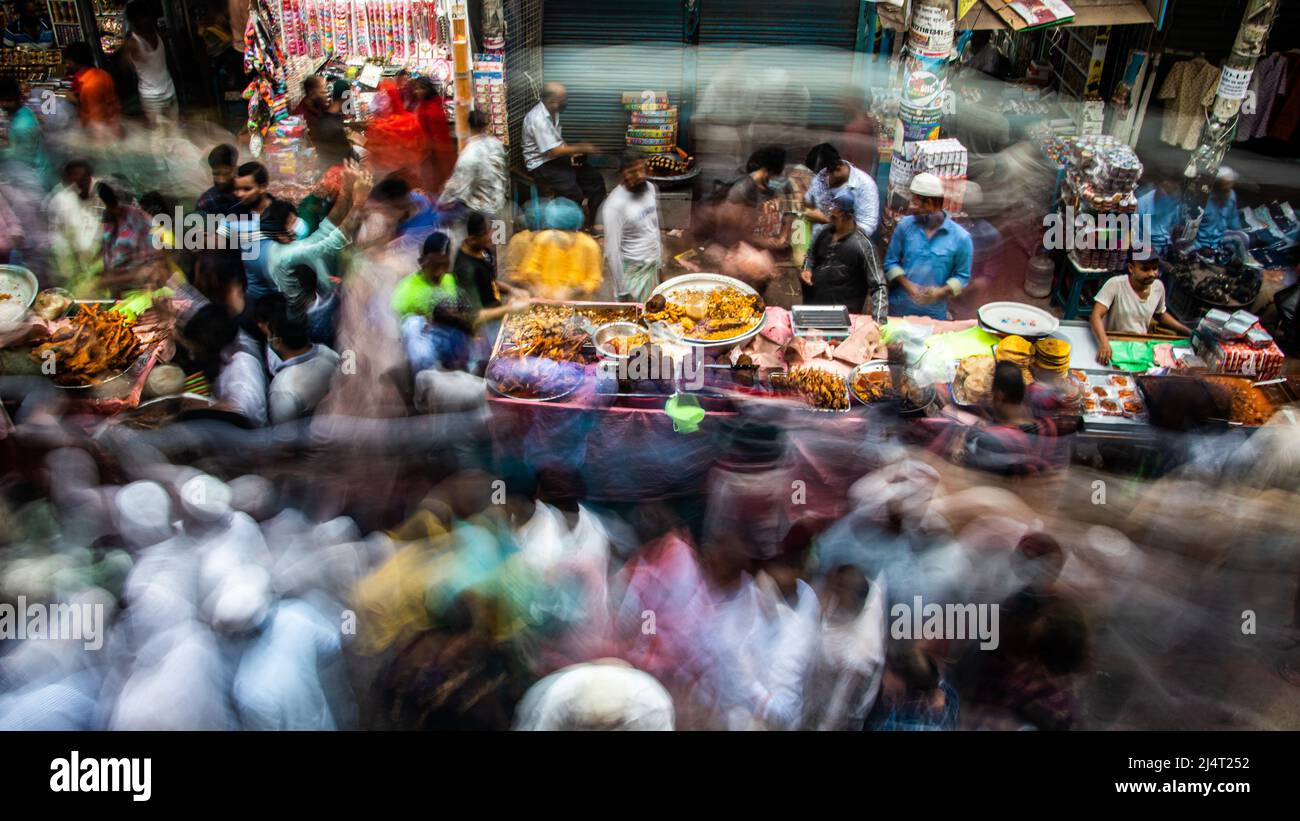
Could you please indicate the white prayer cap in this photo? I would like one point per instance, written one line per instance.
(206, 498)
(926, 184)
(144, 512)
(1226, 174)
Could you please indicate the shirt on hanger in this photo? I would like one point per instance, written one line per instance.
(1190, 88)
(1287, 115)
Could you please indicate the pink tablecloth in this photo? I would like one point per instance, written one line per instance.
(628, 451)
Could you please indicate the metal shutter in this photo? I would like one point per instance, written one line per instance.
(601, 48)
(792, 60)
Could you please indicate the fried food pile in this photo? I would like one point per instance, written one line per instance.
(822, 389)
(542, 331)
(1249, 404)
(624, 345)
(974, 381)
(873, 386)
(88, 344)
(706, 315)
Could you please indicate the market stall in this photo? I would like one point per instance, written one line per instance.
(571, 389)
(98, 356)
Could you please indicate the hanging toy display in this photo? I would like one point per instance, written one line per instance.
(294, 35)
(342, 27)
(263, 56)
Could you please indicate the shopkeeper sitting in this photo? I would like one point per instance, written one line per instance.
(1126, 304)
(929, 255)
(550, 159)
(1221, 214)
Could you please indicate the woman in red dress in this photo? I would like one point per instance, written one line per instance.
(440, 156)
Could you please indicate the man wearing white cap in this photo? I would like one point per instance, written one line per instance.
(929, 255)
(1221, 214)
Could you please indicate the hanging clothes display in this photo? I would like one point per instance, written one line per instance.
(1269, 82)
(1189, 91)
(1287, 113)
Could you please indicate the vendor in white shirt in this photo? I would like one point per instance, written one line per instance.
(633, 247)
(1127, 304)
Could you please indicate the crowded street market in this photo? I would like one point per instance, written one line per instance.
(618, 364)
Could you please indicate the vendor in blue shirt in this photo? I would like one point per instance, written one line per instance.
(1221, 214)
(1164, 205)
(929, 255)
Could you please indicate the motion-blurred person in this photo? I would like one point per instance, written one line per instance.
(416, 294)
(550, 159)
(480, 180)
(1013, 442)
(841, 267)
(208, 346)
(440, 147)
(751, 212)
(475, 269)
(521, 240)
(288, 248)
(562, 262)
(145, 51)
(128, 240)
(475, 266)
(321, 306)
(1221, 214)
(1029, 680)
(1127, 304)
(929, 255)
(11, 230)
(94, 90)
(850, 661)
(633, 247)
(26, 146)
(327, 132)
(405, 214)
(1163, 205)
(859, 138)
(986, 248)
(604, 695)
(301, 371)
(221, 199)
(437, 322)
(315, 98)
(76, 233)
(914, 696)
(834, 175)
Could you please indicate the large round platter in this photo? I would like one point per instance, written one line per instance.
(709, 282)
(1018, 318)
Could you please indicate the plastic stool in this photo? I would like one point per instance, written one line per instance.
(1070, 303)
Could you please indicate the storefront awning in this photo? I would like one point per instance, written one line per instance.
(1086, 13)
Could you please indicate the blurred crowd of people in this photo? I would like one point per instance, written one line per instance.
(338, 544)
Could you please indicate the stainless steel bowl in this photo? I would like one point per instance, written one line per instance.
(19, 287)
(611, 330)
